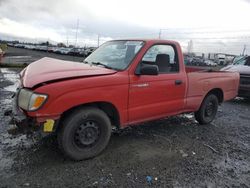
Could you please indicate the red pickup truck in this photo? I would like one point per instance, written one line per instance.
(122, 83)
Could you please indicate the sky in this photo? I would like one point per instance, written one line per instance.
(212, 25)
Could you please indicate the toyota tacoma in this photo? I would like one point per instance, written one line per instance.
(122, 83)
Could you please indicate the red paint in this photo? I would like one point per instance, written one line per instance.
(159, 98)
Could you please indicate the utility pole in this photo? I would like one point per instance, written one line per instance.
(244, 49)
(77, 25)
(98, 40)
(160, 33)
(67, 38)
(190, 47)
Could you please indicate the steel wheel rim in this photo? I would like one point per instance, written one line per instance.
(210, 109)
(87, 134)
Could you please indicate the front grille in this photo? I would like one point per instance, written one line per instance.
(245, 79)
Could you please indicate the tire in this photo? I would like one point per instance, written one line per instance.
(208, 110)
(85, 133)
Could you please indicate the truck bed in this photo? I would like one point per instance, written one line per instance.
(201, 81)
(198, 69)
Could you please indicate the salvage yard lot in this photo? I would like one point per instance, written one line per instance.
(26, 56)
(174, 152)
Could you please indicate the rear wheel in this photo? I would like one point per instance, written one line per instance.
(208, 109)
(85, 133)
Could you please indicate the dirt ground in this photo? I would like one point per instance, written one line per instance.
(173, 152)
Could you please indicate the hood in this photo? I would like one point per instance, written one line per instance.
(49, 69)
(242, 69)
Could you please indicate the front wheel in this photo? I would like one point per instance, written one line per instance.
(85, 133)
(208, 109)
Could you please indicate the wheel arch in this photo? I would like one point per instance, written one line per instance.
(218, 93)
(109, 108)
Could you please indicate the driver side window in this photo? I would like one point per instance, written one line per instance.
(163, 56)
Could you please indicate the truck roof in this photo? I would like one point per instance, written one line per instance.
(148, 40)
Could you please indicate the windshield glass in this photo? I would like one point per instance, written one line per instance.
(115, 54)
(241, 61)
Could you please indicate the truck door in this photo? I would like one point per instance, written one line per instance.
(155, 96)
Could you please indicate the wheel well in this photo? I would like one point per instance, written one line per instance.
(107, 107)
(218, 93)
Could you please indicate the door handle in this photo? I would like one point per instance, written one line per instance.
(178, 82)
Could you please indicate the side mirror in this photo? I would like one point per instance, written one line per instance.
(146, 69)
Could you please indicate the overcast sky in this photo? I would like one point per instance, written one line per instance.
(213, 25)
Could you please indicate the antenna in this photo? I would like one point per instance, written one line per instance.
(160, 32)
(244, 49)
(67, 38)
(77, 25)
(98, 40)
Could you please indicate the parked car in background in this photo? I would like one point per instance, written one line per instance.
(75, 51)
(89, 50)
(83, 53)
(65, 51)
(55, 49)
(41, 48)
(220, 59)
(242, 65)
(210, 63)
(1, 54)
(19, 45)
(51, 48)
(197, 61)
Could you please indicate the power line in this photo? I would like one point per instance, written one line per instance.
(206, 32)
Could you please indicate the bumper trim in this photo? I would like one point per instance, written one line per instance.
(17, 115)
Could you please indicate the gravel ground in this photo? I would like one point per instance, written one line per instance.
(173, 152)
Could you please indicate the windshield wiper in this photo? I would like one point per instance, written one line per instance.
(101, 64)
(85, 62)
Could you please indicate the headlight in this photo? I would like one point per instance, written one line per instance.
(30, 101)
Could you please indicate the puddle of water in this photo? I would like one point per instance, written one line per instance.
(5, 165)
(17, 57)
(234, 168)
(8, 144)
(11, 88)
(11, 76)
(6, 102)
(11, 141)
(189, 116)
(239, 99)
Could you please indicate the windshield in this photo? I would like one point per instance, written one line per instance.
(115, 54)
(240, 61)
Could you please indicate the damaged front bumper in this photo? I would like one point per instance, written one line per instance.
(22, 124)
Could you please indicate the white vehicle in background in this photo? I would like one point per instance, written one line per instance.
(52, 49)
(19, 45)
(30, 47)
(86, 52)
(41, 48)
(210, 63)
(64, 51)
(220, 59)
